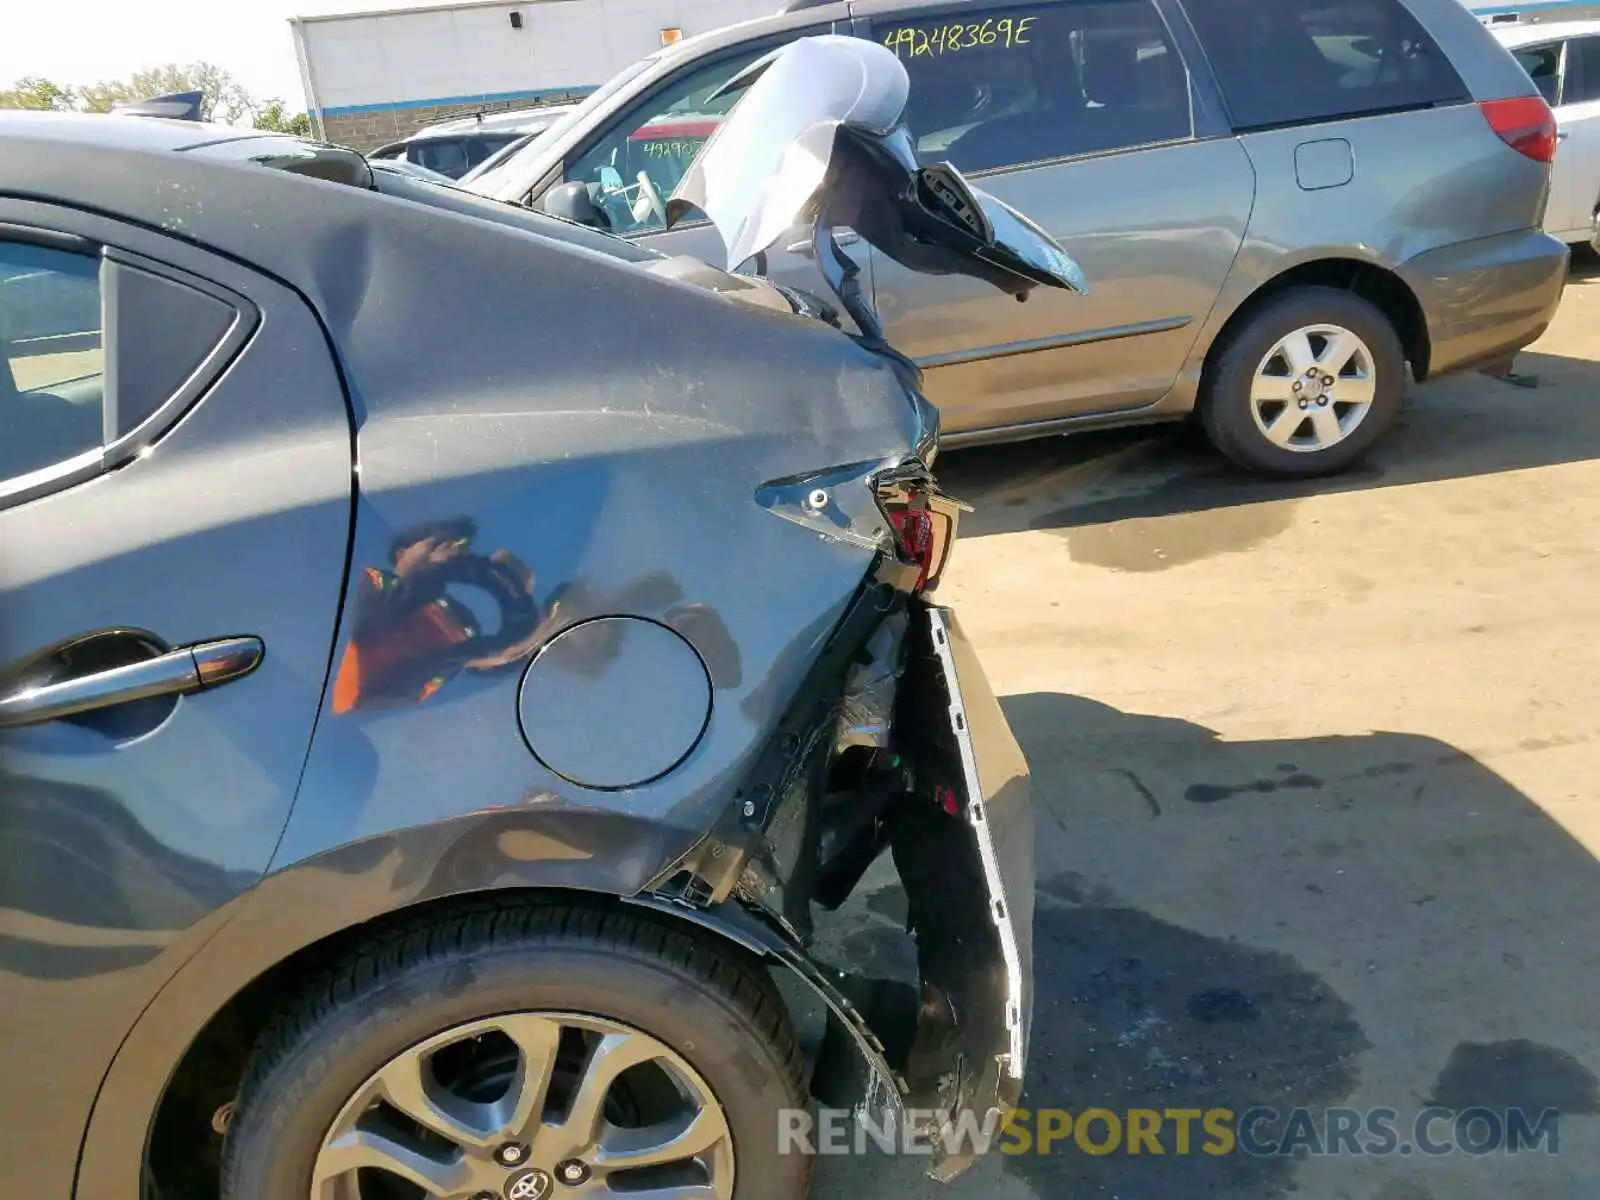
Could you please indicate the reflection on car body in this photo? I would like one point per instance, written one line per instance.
(410, 635)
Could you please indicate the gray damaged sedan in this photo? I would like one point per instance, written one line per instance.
(459, 666)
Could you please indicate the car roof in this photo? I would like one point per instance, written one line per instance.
(1552, 31)
(119, 131)
(365, 260)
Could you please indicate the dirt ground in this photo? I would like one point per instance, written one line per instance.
(1315, 767)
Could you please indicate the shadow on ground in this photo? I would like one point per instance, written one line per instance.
(1186, 887)
(1456, 427)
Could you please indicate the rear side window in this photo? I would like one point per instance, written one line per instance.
(997, 87)
(1543, 65)
(1288, 62)
(164, 334)
(97, 356)
(52, 363)
(1583, 71)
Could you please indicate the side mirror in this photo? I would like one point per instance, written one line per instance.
(572, 202)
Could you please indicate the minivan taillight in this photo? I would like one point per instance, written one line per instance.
(1525, 123)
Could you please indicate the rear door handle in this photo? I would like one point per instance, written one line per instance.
(178, 672)
(845, 237)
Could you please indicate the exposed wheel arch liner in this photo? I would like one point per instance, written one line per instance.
(745, 928)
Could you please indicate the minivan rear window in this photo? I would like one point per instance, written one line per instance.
(1289, 62)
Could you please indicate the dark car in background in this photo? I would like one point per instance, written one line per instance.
(460, 145)
(1286, 208)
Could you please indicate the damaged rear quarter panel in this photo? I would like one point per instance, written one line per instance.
(601, 433)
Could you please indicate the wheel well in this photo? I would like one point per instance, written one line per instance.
(1378, 286)
(185, 1145)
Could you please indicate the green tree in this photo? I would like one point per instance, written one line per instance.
(222, 98)
(102, 97)
(32, 92)
(274, 116)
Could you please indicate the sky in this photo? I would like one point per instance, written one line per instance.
(86, 41)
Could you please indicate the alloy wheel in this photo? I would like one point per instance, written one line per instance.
(1313, 388)
(530, 1106)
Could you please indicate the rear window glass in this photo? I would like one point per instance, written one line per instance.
(486, 145)
(446, 157)
(1288, 62)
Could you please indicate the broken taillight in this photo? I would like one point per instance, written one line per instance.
(894, 509)
(924, 522)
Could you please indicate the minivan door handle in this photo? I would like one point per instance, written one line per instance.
(178, 672)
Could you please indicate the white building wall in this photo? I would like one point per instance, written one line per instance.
(1535, 11)
(433, 57)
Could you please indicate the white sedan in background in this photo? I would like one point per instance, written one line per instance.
(1564, 60)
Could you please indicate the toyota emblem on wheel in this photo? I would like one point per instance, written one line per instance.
(529, 1185)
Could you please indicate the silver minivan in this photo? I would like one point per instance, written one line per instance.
(1280, 207)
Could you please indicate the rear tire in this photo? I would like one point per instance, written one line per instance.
(411, 1023)
(1306, 385)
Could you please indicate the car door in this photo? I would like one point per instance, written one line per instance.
(175, 492)
(1575, 180)
(1083, 115)
(657, 137)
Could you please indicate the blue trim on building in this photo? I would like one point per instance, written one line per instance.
(343, 110)
(1492, 10)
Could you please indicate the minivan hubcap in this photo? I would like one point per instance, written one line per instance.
(1313, 388)
(529, 1106)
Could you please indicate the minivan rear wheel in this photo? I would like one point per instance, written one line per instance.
(1306, 385)
(527, 1051)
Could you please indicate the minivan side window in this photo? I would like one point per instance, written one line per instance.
(1543, 65)
(1290, 62)
(1583, 71)
(52, 363)
(998, 87)
(634, 167)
